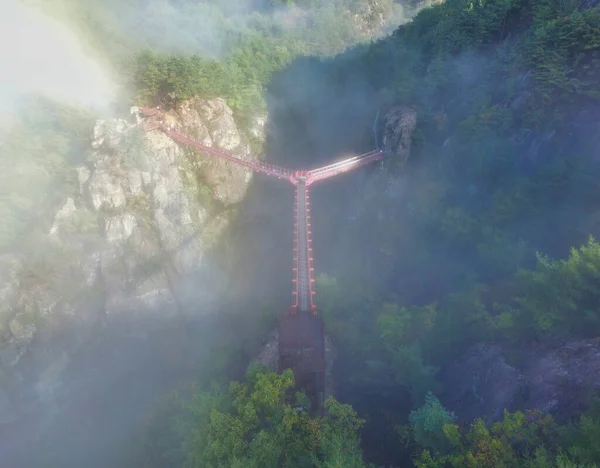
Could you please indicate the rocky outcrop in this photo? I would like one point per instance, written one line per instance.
(372, 16)
(400, 124)
(369, 19)
(123, 245)
(484, 383)
(588, 3)
(212, 124)
(161, 206)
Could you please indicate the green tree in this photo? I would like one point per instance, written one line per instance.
(428, 422)
(560, 297)
(256, 425)
(402, 331)
(520, 440)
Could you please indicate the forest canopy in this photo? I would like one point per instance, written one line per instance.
(494, 239)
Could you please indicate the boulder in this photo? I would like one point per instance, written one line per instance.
(400, 124)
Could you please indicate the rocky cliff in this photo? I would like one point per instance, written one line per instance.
(488, 379)
(130, 244)
(556, 378)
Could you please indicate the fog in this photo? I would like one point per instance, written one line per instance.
(411, 239)
(314, 120)
(211, 28)
(111, 377)
(41, 55)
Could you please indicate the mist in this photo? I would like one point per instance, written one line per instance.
(43, 56)
(107, 374)
(214, 28)
(402, 232)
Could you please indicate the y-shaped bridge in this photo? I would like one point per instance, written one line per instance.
(301, 337)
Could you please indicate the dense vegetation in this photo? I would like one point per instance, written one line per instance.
(269, 43)
(253, 424)
(163, 54)
(227, 48)
(494, 241)
(487, 190)
(491, 241)
(492, 244)
(529, 439)
(157, 52)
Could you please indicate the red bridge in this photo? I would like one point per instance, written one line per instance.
(301, 337)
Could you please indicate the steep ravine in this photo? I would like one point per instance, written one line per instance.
(354, 221)
(128, 310)
(122, 308)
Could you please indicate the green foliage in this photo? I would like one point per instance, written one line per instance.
(339, 442)
(402, 331)
(160, 78)
(253, 56)
(168, 79)
(458, 225)
(405, 325)
(254, 424)
(463, 319)
(429, 424)
(560, 296)
(520, 440)
(563, 53)
(492, 81)
(37, 154)
(501, 254)
(159, 442)
(584, 438)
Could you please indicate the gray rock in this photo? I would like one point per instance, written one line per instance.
(123, 249)
(211, 123)
(156, 206)
(258, 127)
(482, 384)
(63, 215)
(10, 265)
(105, 188)
(119, 228)
(83, 175)
(555, 380)
(400, 124)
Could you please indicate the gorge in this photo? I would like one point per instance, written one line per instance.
(457, 280)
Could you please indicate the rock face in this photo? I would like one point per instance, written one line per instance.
(372, 16)
(122, 246)
(482, 384)
(553, 380)
(400, 124)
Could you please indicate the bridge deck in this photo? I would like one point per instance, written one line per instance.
(301, 336)
(303, 291)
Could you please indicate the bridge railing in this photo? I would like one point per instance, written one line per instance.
(156, 122)
(258, 166)
(344, 166)
(303, 271)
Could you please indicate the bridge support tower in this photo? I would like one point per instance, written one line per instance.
(302, 349)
